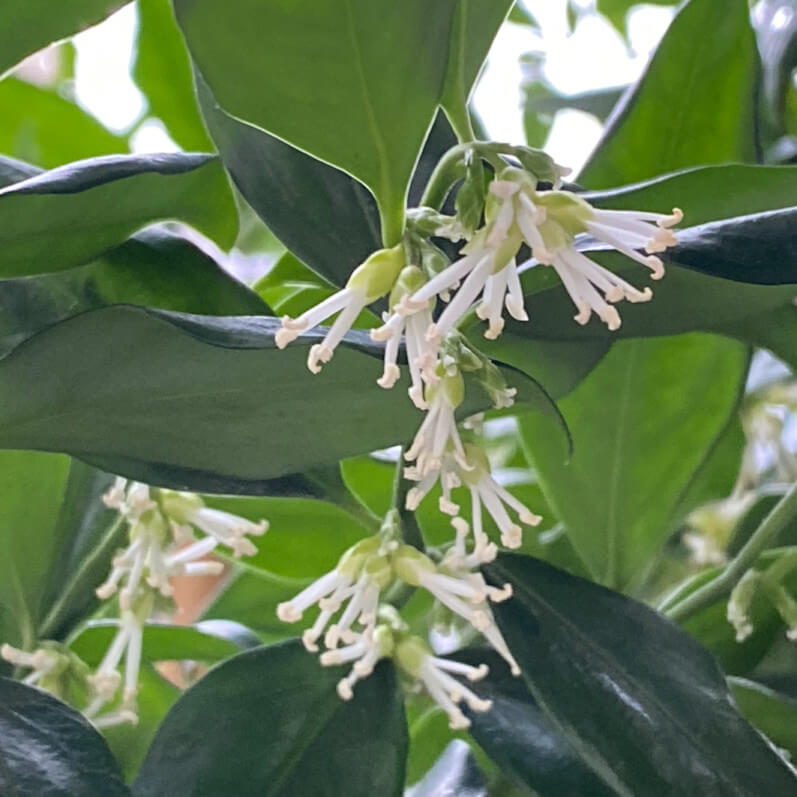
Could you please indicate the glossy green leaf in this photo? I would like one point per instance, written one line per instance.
(660, 718)
(30, 25)
(472, 32)
(152, 269)
(454, 773)
(772, 713)
(694, 105)
(48, 749)
(77, 212)
(162, 70)
(200, 402)
(87, 535)
(279, 728)
(641, 423)
(522, 740)
(162, 642)
(42, 127)
(296, 194)
(775, 330)
(31, 491)
(353, 82)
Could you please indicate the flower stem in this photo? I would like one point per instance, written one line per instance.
(783, 513)
(410, 529)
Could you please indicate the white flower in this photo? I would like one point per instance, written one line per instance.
(368, 282)
(464, 592)
(361, 574)
(413, 321)
(187, 509)
(43, 662)
(739, 603)
(369, 647)
(591, 287)
(106, 681)
(416, 659)
(438, 433)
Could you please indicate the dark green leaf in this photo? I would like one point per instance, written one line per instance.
(355, 82)
(30, 25)
(668, 397)
(42, 127)
(279, 728)
(454, 774)
(200, 402)
(706, 115)
(31, 491)
(48, 749)
(518, 735)
(154, 269)
(296, 195)
(78, 211)
(162, 70)
(644, 704)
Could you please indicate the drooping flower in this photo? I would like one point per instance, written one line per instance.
(368, 282)
(438, 433)
(357, 580)
(367, 649)
(459, 589)
(436, 675)
(44, 662)
(412, 321)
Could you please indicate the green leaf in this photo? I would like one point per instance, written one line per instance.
(86, 535)
(454, 773)
(279, 728)
(472, 32)
(670, 397)
(29, 25)
(706, 115)
(772, 713)
(162, 642)
(129, 743)
(42, 127)
(305, 537)
(154, 269)
(291, 288)
(31, 491)
(353, 82)
(201, 402)
(162, 70)
(294, 193)
(518, 735)
(80, 210)
(48, 749)
(660, 719)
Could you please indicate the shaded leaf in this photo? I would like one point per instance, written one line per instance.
(49, 749)
(280, 728)
(660, 719)
(454, 773)
(29, 25)
(42, 127)
(83, 209)
(200, 402)
(296, 194)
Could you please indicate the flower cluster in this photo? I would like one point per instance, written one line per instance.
(370, 630)
(485, 278)
(170, 534)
